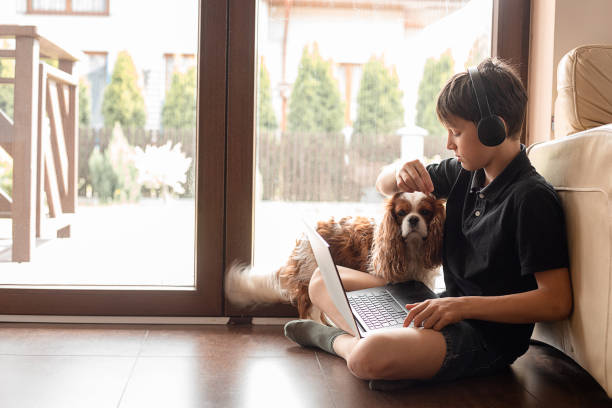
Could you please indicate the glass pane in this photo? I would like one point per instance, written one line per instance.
(89, 5)
(49, 5)
(134, 223)
(344, 89)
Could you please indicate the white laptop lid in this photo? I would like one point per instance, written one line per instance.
(328, 269)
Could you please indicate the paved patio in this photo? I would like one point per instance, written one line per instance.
(151, 243)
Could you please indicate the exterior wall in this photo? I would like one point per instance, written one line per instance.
(402, 39)
(148, 30)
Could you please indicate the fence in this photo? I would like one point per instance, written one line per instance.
(321, 166)
(293, 166)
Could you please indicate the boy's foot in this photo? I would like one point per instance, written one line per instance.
(308, 333)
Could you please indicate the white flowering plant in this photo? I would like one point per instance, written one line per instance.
(162, 167)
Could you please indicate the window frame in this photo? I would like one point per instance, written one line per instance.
(68, 10)
(206, 298)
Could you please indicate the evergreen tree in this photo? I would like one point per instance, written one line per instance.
(265, 115)
(315, 104)
(123, 101)
(7, 91)
(84, 104)
(379, 105)
(179, 110)
(435, 75)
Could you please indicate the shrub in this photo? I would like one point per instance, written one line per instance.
(7, 91)
(435, 75)
(379, 111)
(266, 120)
(113, 173)
(315, 104)
(179, 110)
(102, 176)
(162, 168)
(123, 101)
(6, 172)
(379, 100)
(84, 103)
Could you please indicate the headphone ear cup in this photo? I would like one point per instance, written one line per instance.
(491, 131)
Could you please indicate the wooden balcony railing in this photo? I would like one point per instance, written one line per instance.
(44, 152)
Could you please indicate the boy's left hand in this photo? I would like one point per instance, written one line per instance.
(434, 313)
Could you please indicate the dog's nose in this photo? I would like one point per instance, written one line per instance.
(414, 220)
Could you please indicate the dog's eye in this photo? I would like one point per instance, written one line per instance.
(401, 213)
(425, 213)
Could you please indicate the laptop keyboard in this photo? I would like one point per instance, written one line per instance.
(378, 310)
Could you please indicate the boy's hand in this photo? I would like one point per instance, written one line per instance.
(434, 313)
(413, 176)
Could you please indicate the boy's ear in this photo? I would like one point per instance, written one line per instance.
(505, 125)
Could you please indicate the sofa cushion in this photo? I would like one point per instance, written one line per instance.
(584, 90)
(580, 169)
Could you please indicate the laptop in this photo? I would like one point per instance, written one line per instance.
(368, 310)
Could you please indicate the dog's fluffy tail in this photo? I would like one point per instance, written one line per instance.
(246, 286)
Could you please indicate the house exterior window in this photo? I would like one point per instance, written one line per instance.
(82, 7)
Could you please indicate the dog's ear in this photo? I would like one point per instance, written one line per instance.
(433, 244)
(388, 247)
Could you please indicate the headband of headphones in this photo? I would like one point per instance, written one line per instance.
(479, 91)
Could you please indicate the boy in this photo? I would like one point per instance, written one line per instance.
(505, 250)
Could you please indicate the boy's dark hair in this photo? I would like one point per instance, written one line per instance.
(505, 92)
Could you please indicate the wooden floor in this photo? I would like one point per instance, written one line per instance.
(243, 366)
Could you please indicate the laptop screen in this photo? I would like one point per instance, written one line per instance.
(328, 269)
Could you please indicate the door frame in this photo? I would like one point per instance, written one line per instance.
(205, 299)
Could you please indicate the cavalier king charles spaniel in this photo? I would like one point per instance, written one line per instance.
(406, 245)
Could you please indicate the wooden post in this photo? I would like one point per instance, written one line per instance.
(24, 147)
(71, 133)
(40, 161)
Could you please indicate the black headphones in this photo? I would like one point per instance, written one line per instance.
(491, 129)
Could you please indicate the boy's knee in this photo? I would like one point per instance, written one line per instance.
(316, 286)
(369, 360)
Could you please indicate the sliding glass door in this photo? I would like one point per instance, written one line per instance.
(146, 237)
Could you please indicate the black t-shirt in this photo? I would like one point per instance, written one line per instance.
(496, 237)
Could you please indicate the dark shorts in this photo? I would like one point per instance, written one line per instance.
(468, 354)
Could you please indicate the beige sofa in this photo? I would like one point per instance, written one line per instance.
(578, 162)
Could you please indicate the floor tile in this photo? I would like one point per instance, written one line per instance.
(70, 339)
(239, 341)
(223, 381)
(63, 381)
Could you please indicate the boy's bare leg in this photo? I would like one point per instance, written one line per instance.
(403, 353)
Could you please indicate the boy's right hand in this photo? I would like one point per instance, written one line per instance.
(413, 176)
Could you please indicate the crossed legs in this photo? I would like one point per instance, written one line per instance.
(403, 353)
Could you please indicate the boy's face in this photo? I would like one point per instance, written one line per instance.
(463, 140)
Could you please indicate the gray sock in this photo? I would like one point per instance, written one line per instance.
(308, 333)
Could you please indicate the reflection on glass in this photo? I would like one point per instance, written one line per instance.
(134, 224)
(344, 89)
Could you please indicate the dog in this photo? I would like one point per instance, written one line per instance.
(405, 245)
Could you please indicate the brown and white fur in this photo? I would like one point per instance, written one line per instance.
(406, 245)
